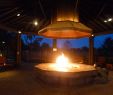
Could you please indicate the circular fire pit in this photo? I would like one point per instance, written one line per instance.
(75, 74)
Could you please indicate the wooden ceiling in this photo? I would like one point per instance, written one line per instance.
(92, 13)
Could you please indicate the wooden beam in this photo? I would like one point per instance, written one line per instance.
(9, 29)
(103, 33)
(54, 43)
(91, 50)
(18, 48)
(4, 27)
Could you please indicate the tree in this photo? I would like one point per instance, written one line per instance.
(33, 42)
(45, 46)
(67, 44)
(107, 48)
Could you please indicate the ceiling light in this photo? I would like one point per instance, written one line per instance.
(105, 20)
(19, 32)
(18, 14)
(110, 19)
(3, 42)
(35, 23)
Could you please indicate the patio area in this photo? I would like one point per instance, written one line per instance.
(24, 81)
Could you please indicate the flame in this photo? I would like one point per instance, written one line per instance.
(62, 64)
(62, 61)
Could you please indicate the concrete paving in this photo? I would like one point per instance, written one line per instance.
(24, 81)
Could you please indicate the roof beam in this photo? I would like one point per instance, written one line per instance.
(7, 28)
(4, 27)
(14, 30)
(103, 33)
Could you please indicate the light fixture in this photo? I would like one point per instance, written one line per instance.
(19, 32)
(35, 23)
(3, 42)
(105, 20)
(54, 49)
(18, 14)
(110, 19)
(65, 24)
(92, 35)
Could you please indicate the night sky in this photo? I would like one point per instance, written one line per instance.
(75, 43)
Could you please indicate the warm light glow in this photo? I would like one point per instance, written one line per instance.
(3, 42)
(105, 20)
(19, 32)
(62, 64)
(92, 35)
(35, 23)
(62, 61)
(110, 19)
(54, 49)
(68, 19)
(18, 14)
(0, 54)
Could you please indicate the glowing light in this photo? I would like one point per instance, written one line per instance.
(110, 19)
(62, 61)
(105, 20)
(54, 49)
(92, 35)
(18, 14)
(0, 54)
(62, 64)
(35, 23)
(19, 32)
(3, 42)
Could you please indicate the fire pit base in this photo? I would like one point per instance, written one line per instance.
(67, 78)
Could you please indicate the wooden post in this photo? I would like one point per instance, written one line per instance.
(91, 50)
(18, 49)
(54, 45)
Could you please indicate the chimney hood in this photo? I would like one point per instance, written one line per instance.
(65, 24)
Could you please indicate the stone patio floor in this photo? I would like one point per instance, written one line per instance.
(23, 81)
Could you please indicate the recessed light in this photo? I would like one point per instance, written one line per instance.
(3, 42)
(35, 23)
(110, 19)
(105, 20)
(18, 14)
(19, 32)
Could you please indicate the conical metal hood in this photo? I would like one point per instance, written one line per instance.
(66, 29)
(66, 24)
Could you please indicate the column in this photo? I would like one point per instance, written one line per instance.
(54, 45)
(91, 50)
(18, 49)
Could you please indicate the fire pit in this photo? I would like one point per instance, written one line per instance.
(66, 73)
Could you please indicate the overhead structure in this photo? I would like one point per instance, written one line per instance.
(66, 29)
(65, 24)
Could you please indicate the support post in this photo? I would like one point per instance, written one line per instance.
(54, 45)
(18, 49)
(91, 50)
